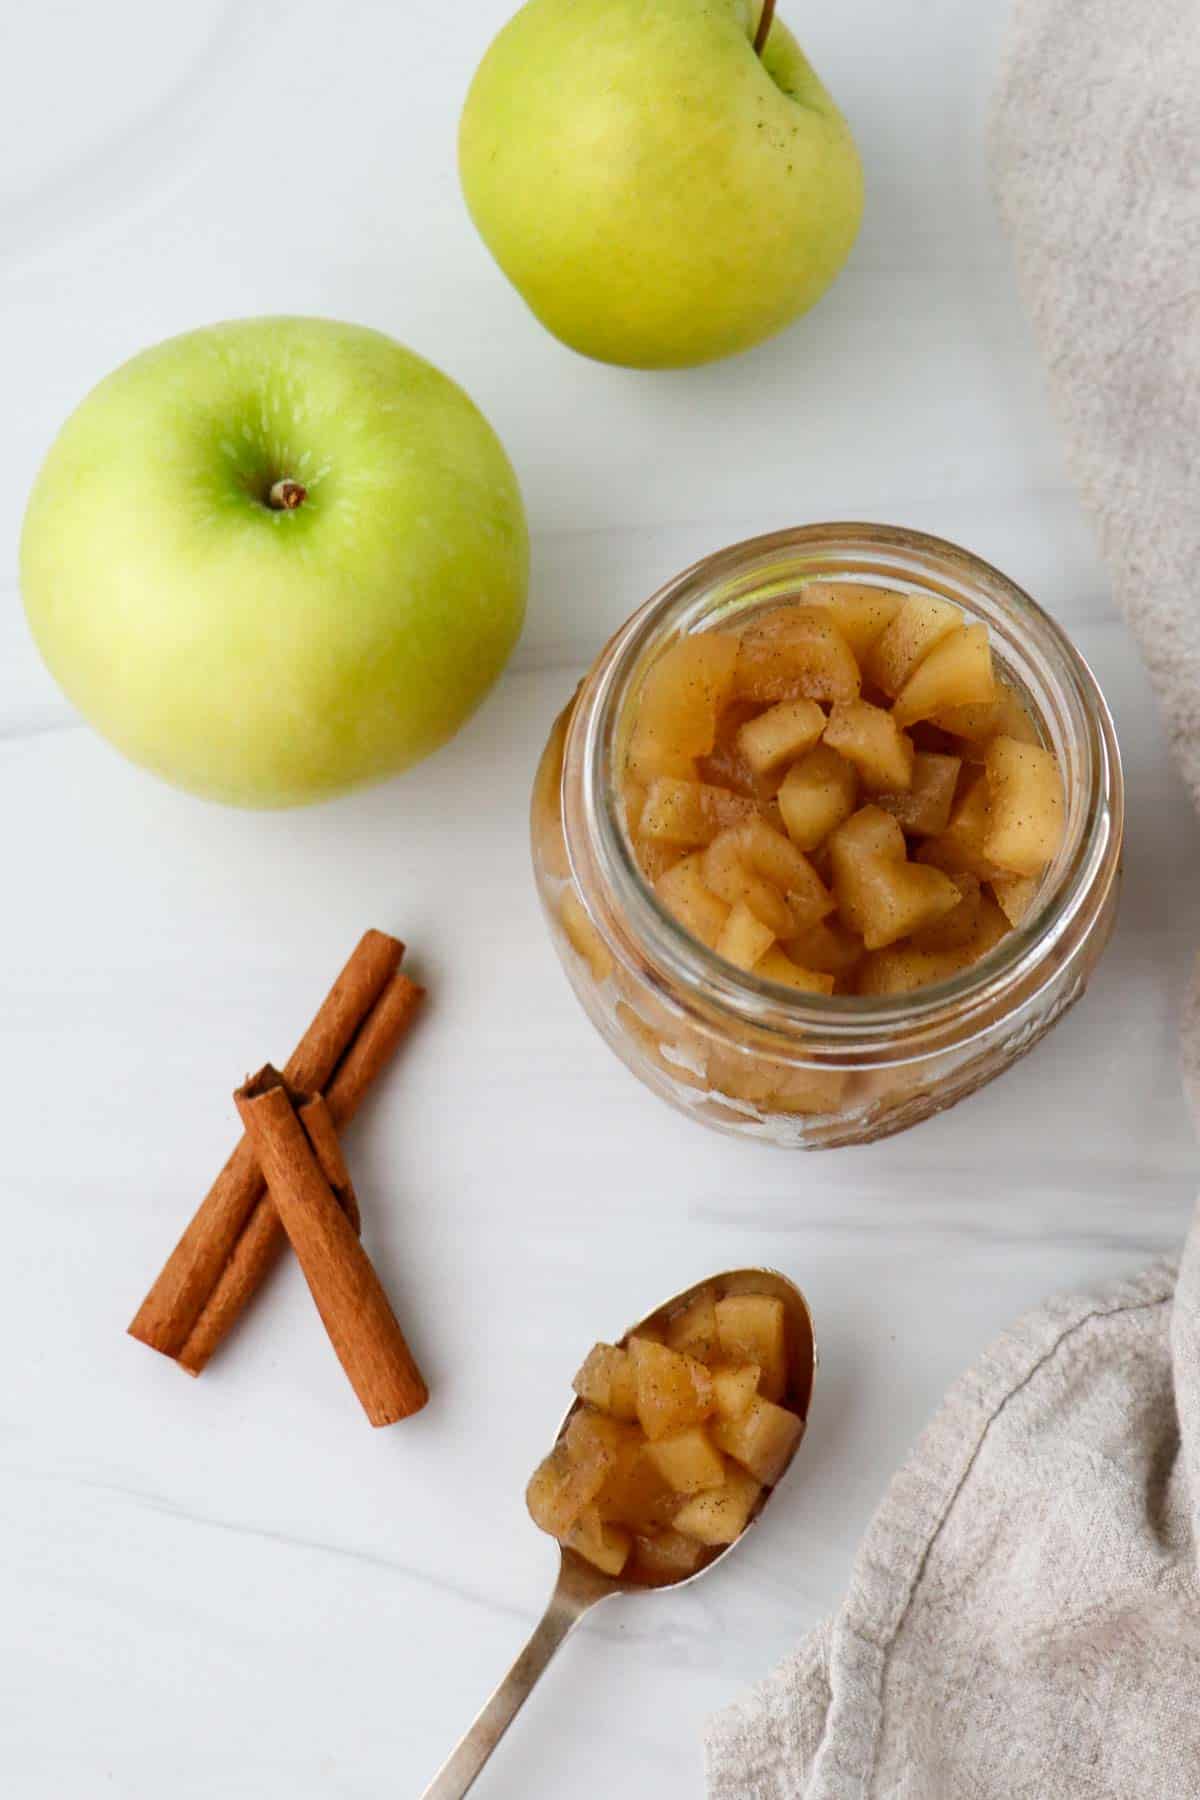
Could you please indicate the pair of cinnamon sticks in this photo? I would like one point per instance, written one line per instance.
(287, 1179)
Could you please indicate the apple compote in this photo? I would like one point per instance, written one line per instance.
(679, 1432)
(841, 794)
(831, 833)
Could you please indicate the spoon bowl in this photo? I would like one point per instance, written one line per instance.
(580, 1585)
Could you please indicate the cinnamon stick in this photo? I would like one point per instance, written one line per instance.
(355, 1311)
(210, 1244)
(263, 1236)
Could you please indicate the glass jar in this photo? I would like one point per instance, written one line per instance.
(743, 1054)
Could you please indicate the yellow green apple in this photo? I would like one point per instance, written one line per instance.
(659, 192)
(275, 558)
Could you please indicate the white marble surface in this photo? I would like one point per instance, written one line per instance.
(233, 1587)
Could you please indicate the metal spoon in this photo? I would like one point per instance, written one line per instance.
(580, 1586)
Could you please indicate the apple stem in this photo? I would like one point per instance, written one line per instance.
(287, 495)
(764, 26)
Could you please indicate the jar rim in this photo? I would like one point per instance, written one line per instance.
(1077, 881)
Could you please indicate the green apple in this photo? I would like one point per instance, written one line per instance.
(659, 193)
(275, 558)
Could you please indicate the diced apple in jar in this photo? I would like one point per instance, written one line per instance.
(818, 792)
(729, 875)
(956, 672)
(673, 1391)
(795, 653)
(744, 938)
(924, 810)
(962, 844)
(690, 813)
(720, 1514)
(687, 1460)
(1015, 895)
(762, 1438)
(774, 856)
(960, 924)
(1025, 806)
(1003, 716)
(681, 698)
(734, 1387)
(693, 1331)
(809, 1093)
(870, 739)
(606, 1381)
(775, 966)
(546, 803)
(921, 622)
(860, 612)
(901, 969)
(606, 1546)
(781, 733)
(883, 899)
(688, 898)
(828, 949)
(752, 1329)
(583, 934)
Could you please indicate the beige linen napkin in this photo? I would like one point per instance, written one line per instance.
(1023, 1619)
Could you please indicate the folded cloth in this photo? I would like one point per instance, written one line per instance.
(1023, 1620)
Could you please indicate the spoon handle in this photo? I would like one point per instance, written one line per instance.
(567, 1606)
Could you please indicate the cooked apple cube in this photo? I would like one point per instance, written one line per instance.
(681, 697)
(636, 1493)
(921, 622)
(593, 1538)
(762, 1438)
(693, 1332)
(546, 802)
(752, 1329)
(860, 612)
(827, 948)
(687, 1461)
(868, 832)
(901, 969)
(734, 1387)
(870, 738)
(720, 1514)
(775, 966)
(1004, 716)
(690, 813)
(606, 1381)
(780, 733)
(729, 876)
(593, 1439)
(688, 898)
(665, 1556)
(925, 809)
(673, 1391)
(818, 792)
(654, 858)
(559, 1489)
(744, 938)
(960, 924)
(956, 672)
(962, 844)
(795, 653)
(991, 927)
(884, 899)
(1025, 798)
(583, 934)
(809, 1093)
(1015, 895)
(775, 857)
